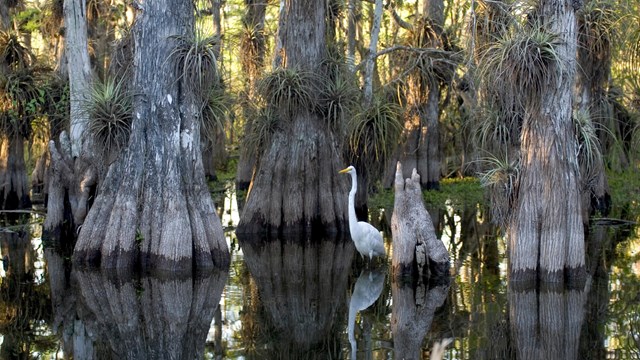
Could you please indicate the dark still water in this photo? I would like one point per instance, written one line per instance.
(316, 299)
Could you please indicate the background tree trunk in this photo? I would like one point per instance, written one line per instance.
(154, 206)
(214, 153)
(546, 226)
(14, 190)
(253, 53)
(592, 77)
(296, 184)
(70, 176)
(421, 148)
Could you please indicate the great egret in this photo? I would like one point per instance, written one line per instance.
(367, 238)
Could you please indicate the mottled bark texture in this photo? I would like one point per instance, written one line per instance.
(14, 187)
(546, 323)
(252, 54)
(296, 184)
(545, 231)
(70, 175)
(302, 284)
(151, 318)
(416, 249)
(153, 207)
(71, 183)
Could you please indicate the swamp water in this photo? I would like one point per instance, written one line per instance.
(316, 299)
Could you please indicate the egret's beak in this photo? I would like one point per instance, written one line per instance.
(343, 171)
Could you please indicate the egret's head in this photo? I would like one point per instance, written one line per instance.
(350, 169)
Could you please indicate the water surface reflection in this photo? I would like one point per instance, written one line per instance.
(105, 315)
(296, 298)
(302, 285)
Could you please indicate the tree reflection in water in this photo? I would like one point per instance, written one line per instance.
(290, 298)
(120, 316)
(302, 285)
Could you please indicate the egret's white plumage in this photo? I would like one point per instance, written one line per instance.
(367, 238)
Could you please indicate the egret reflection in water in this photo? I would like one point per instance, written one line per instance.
(366, 291)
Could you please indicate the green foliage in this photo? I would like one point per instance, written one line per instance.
(457, 192)
(289, 90)
(625, 191)
(21, 97)
(194, 60)
(110, 112)
(374, 131)
(29, 20)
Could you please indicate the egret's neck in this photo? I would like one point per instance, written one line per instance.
(353, 219)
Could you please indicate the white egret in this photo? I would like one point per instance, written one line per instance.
(367, 238)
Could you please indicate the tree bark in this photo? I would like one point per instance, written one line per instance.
(14, 190)
(416, 249)
(371, 55)
(252, 65)
(153, 207)
(546, 226)
(71, 175)
(296, 185)
(79, 65)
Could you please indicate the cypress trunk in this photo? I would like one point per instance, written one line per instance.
(545, 232)
(14, 190)
(252, 53)
(295, 185)
(154, 206)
